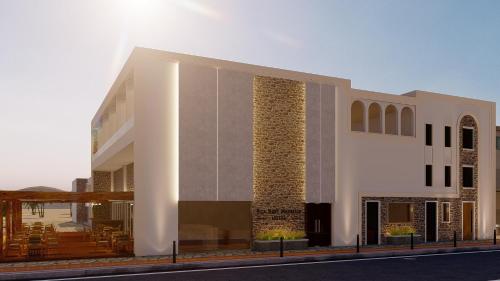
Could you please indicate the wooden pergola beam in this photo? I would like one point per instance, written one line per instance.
(80, 197)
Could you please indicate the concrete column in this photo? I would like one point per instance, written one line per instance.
(345, 224)
(156, 154)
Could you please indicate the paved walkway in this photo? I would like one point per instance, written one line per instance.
(223, 256)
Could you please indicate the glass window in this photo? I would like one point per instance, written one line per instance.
(467, 177)
(498, 143)
(214, 225)
(428, 134)
(400, 212)
(447, 176)
(428, 175)
(447, 136)
(468, 138)
(446, 212)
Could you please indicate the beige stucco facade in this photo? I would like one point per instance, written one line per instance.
(187, 125)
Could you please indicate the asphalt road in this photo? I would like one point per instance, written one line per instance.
(464, 266)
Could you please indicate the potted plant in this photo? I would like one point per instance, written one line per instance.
(269, 240)
(400, 235)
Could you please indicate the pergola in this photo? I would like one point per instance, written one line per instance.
(12, 200)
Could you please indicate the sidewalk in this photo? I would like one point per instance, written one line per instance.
(94, 267)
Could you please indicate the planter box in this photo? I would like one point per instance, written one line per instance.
(274, 245)
(404, 239)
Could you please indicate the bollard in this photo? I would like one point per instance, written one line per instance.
(494, 237)
(281, 247)
(411, 240)
(454, 239)
(174, 258)
(357, 243)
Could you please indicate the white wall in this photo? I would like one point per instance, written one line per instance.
(216, 147)
(198, 132)
(320, 143)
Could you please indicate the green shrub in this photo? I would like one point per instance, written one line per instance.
(397, 230)
(275, 234)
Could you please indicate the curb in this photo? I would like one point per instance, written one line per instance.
(134, 269)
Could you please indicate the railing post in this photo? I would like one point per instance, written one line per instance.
(411, 240)
(174, 253)
(357, 243)
(281, 247)
(495, 236)
(454, 239)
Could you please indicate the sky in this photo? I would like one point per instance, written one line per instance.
(58, 58)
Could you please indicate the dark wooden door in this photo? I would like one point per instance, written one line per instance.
(430, 221)
(467, 220)
(372, 223)
(318, 224)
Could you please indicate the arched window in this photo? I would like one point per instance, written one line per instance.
(357, 116)
(407, 122)
(374, 118)
(391, 120)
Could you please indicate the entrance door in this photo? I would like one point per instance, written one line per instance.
(430, 221)
(467, 220)
(372, 223)
(318, 224)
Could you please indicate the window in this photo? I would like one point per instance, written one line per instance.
(357, 117)
(400, 212)
(428, 134)
(407, 122)
(391, 120)
(447, 176)
(468, 138)
(447, 136)
(374, 118)
(468, 176)
(446, 211)
(498, 143)
(428, 175)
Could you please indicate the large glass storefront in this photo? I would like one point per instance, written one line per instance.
(45, 230)
(205, 226)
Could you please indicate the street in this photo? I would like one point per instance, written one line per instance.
(458, 266)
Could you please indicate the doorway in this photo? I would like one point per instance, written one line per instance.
(318, 224)
(372, 222)
(467, 220)
(430, 221)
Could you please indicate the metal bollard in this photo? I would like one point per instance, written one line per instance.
(281, 247)
(357, 243)
(174, 254)
(454, 239)
(494, 237)
(411, 240)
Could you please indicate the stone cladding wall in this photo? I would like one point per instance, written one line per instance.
(130, 177)
(279, 154)
(118, 180)
(469, 157)
(101, 181)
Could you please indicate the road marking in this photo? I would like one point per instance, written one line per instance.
(269, 265)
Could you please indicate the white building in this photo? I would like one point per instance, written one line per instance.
(218, 152)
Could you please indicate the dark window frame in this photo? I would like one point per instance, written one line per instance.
(447, 176)
(428, 175)
(466, 143)
(428, 134)
(467, 182)
(447, 136)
